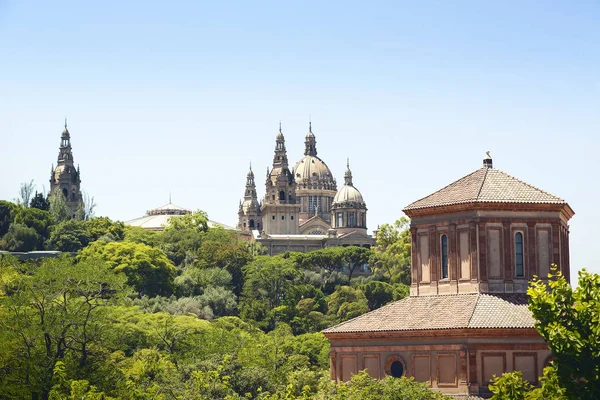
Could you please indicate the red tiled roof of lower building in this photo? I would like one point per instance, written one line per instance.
(459, 311)
(486, 185)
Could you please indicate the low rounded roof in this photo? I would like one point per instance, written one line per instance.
(348, 196)
(311, 169)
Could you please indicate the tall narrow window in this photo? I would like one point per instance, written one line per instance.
(444, 257)
(519, 254)
(340, 220)
(351, 219)
(310, 204)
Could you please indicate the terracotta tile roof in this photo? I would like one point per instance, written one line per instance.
(486, 185)
(459, 311)
(502, 311)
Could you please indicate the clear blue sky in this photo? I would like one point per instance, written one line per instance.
(179, 96)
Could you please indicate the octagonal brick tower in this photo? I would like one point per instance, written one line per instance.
(486, 232)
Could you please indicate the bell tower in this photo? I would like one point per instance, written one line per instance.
(249, 216)
(65, 178)
(279, 209)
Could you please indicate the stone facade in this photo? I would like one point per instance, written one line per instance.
(475, 245)
(65, 178)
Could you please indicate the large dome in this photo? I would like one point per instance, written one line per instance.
(311, 171)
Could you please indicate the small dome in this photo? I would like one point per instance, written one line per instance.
(313, 169)
(348, 196)
(250, 204)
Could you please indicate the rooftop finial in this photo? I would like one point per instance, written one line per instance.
(169, 197)
(487, 161)
(280, 126)
(348, 174)
(65, 122)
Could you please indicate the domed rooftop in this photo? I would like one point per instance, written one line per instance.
(348, 196)
(311, 171)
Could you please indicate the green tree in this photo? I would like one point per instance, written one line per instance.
(392, 255)
(193, 281)
(569, 320)
(198, 220)
(269, 278)
(103, 226)
(355, 257)
(52, 314)
(347, 302)
(58, 207)
(8, 211)
(40, 201)
(147, 268)
(69, 235)
(26, 193)
(139, 235)
(510, 386)
(377, 293)
(39, 220)
(21, 238)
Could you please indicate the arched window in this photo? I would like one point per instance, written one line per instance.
(340, 220)
(444, 254)
(65, 193)
(251, 224)
(282, 195)
(519, 254)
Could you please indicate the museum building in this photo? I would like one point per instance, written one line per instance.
(302, 209)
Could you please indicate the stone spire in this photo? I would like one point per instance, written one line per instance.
(348, 174)
(65, 177)
(249, 214)
(250, 193)
(310, 142)
(280, 158)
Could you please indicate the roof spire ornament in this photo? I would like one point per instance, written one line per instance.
(348, 174)
(310, 143)
(169, 197)
(65, 122)
(487, 161)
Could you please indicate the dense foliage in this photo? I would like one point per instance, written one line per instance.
(569, 320)
(190, 312)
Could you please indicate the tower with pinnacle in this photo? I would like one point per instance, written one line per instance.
(65, 179)
(279, 209)
(249, 215)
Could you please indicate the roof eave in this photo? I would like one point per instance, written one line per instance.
(441, 332)
(479, 205)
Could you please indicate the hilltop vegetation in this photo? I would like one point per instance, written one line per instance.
(189, 312)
